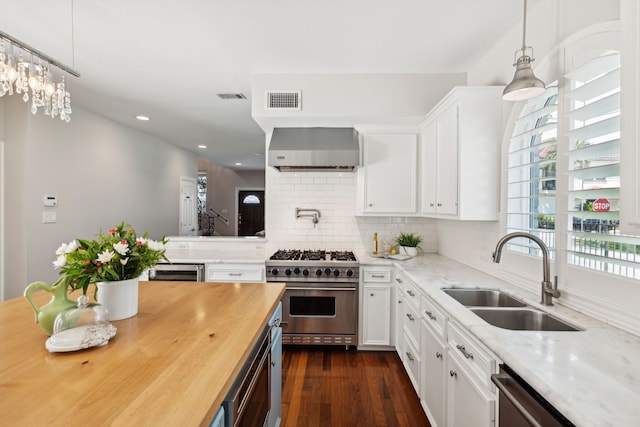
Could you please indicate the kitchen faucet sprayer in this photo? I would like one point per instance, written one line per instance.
(549, 290)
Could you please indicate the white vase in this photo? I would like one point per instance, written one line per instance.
(409, 250)
(120, 298)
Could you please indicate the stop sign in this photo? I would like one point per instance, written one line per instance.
(601, 205)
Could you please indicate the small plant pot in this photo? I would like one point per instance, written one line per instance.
(409, 250)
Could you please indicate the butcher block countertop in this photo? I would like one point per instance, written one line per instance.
(171, 364)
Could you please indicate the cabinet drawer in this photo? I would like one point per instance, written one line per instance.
(435, 317)
(411, 322)
(411, 358)
(377, 275)
(472, 354)
(412, 294)
(235, 273)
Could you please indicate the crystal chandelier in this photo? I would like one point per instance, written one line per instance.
(26, 71)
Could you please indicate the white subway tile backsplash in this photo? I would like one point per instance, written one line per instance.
(334, 195)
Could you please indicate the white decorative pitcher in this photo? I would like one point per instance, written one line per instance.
(119, 297)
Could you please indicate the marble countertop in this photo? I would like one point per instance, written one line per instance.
(590, 376)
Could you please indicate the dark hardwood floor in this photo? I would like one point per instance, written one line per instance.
(331, 386)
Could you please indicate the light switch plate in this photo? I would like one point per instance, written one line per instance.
(49, 217)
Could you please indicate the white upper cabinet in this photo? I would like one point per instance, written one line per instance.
(387, 181)
(460, 155)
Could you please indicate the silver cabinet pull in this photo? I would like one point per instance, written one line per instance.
(411, 294)
(373, 295)
(430, 315)
(438, 355)
(411, 317)
(398, 280)
(235, 274)
(453, 373)
(378, 276)
(464, 351)
(410, 356)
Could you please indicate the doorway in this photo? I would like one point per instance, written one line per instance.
(250, 212)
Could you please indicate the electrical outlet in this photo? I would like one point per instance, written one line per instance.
(49, 217)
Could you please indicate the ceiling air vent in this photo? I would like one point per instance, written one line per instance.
(231, 96)
(283, 100)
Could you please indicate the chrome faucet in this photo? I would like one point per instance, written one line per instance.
(549, 290)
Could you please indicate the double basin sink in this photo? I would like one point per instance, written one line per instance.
(505, 311)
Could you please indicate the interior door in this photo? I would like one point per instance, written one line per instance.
(250, 212)
(188, 207)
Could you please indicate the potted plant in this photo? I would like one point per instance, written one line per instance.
(113, 261)
(409, 243)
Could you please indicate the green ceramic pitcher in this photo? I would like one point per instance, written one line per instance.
(46, 315)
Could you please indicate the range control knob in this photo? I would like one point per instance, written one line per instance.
(318, 272)
(336, 272)
(287, 272)
(305, 272)
(327, 271)
(274, 271)
(349, 273)
(296, 270)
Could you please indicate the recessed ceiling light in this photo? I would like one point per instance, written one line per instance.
(202, 146)
(142, 118)
(238, 164)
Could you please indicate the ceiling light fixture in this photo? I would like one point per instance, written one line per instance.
(18, 75)
(202, 146)
(525, 85)
(143, 118)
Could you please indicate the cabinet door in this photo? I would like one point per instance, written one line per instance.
(467, 404)
(447, 158)
(429, 167)
(389, 173)
(433, 373)
(275, 413)
(376, 329)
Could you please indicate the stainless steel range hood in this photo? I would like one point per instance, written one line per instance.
(314, 149)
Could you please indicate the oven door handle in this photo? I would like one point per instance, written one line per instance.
(307, 288)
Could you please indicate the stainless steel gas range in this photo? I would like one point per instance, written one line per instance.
(320, 304)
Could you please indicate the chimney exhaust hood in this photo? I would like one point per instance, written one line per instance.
(314, 149)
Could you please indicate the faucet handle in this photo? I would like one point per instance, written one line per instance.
(553, 291)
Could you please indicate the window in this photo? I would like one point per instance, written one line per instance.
(593, 101)
(590, 98)
(531, 189)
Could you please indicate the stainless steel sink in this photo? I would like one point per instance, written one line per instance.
(475, 297)
(522, 319)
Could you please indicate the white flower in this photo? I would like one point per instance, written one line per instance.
(60, 262)
(155, 245)
(124, 261)
(105, 256)
(67, 248)
(121, 248)
(141, 240)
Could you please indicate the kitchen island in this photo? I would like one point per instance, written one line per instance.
(171, 364)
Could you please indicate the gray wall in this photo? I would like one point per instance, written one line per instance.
(101, 172)
(221, 191)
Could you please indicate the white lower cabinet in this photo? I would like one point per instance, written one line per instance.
(375, 306)
(412, 361)
(468, 405)
(376, 329)
(471, 396)
(433, 374)
(235, 272)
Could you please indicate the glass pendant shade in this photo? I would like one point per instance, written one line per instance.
(525, 85)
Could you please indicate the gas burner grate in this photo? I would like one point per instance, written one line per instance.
(313, 255)
(342, 256)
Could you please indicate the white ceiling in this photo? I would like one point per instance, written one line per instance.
(168, 59)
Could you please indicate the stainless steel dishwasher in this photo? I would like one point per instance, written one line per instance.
(521, 406)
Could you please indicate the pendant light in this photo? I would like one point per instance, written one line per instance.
(525, 85)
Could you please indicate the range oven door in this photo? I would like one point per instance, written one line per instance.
(320, 310)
